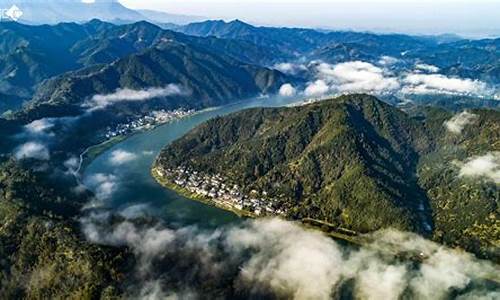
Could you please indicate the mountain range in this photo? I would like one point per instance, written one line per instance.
(32, 54)
(356, 162)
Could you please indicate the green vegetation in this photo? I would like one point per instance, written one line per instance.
(42, 252)
(356, 163)
(465, 210)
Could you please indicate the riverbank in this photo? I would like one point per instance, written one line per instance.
(196, 197)
(330, 230)
(87, 156)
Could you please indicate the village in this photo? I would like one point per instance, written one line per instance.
(217, 189)
(148, 121)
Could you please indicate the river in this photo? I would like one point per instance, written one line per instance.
(133, 184)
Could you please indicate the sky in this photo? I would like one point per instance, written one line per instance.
(466, 17)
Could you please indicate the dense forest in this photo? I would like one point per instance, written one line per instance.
(359, 163)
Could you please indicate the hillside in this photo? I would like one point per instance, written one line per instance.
(31, 54)
(465, 210)
(208, 80)
(348, 161)
(43, 252)
(352, 161)
(294, 42)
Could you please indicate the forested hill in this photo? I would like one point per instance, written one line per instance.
(352, 161)
(207, 79)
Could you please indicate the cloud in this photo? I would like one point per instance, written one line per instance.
(290, 68)
(279, 259)
(387, 61)
(486, 167)
(357, 77)
(120, 157)
(124, 95)
(316, 88)
(427, 68)
(40, 126)
(439, 84)
(364, 77)
(459, 121)
(287, 90)
(34, 150)
(71, 165)
(103, 185)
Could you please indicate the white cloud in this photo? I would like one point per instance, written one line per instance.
(459, 121)
(364, 77)
(440, 84)
(32, 150)
(273, 255)
(287, 90)
(387, 61)
(39, 126)
(120, 95)
(120, 157)
(316, 88)
(290, 68)
(103, 185)
(486, 167)
(308, 269)
(72, 164)
(427, 68)
(357, 77)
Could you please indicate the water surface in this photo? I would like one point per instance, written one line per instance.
(136, 186)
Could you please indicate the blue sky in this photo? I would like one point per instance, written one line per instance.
(467, 17)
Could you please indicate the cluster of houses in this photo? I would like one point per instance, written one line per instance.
(148, 121)
(221, 192)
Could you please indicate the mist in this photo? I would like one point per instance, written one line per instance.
(273, 258)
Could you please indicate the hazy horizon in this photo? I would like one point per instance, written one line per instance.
(466, 18)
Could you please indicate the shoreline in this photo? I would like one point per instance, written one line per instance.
(85, 160)
(195, 197)
(308, 223)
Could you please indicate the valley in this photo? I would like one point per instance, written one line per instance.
(323, 163)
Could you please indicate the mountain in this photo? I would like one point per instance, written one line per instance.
(295, 42)
(346, 161)
(465, 209)
(354, 162)
(476, 59)
(43, 252)
(32, 54)
(209, 80)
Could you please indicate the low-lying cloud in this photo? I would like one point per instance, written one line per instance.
(34, 150)
(103, 185)
(41, 126)
(276, 258)
(317, 88)
(290, 68)
(482, 167)
(427, 68)
(440, 84)
(357, 76)
(458, 122)
(130, 95)
(119, 157)
(382, 79)
(387, 61)
(287, 90)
